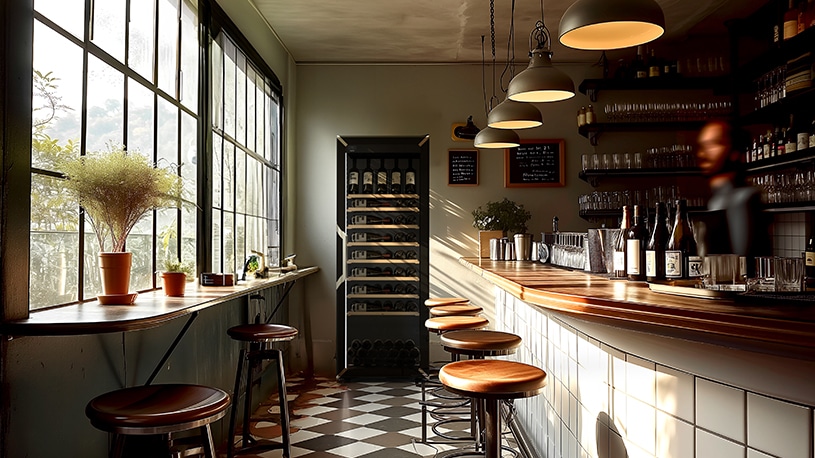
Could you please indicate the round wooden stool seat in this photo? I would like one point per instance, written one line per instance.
(457, 309)
(436, 301)
(157, 409)
(262, 332)
(493, 378)
(480, 343)
(452, 323)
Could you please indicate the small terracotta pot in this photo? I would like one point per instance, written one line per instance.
(174, 283)
(115, 271)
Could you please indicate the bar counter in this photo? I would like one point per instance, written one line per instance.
(782, 328)
(151, 309)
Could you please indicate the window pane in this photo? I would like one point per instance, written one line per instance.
(189, 55)
(217, 242)
(56, 98)
(240, 181)
(167, 240)
(250, 109)
(140, 118)
(140, 243)
(260, 121)
(229, 176)
(242, 250)
(217, 85)
(105, 107)
(68, 14)
(229, 89)
(90, 276)
(229, 242)
(54, 243)
(240, 99)
(108, 27)
(167, 45)
(217, 170)
(189, 174)
(167, 133)
(142, 37)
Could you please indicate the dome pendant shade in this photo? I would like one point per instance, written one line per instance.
(510, 114)
(496, 138)
(540, 81)
(611, 24)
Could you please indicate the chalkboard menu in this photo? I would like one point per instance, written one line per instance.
(462, 167)
(536, 163)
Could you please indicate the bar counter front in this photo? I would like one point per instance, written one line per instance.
(633, 372)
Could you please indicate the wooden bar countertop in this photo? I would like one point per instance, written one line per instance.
(783, 328)
(151, 309)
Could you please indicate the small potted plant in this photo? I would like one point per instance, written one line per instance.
(498, 219)
(116, 188)
(175, 276)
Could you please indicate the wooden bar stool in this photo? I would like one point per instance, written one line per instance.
(257, 348)
(480, 344)
(158, 409)
(492, 380)
(443, 324)
(436, 301)
(457, 309)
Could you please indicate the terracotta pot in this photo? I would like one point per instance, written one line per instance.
(115, 271)
(174, 283)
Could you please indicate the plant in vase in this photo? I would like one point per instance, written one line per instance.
(496, 220)
(116, 189)
(175, 276)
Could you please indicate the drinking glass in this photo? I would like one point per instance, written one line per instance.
(789, 274)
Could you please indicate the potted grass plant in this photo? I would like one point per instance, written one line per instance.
(117, 188)
(498, 219)
(174, 277)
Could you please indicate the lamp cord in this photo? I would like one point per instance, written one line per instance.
(492, 40)
(510, 66)
(540, 34)
(484, 78)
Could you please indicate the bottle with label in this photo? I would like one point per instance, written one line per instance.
(791, 145)
(591, 117)
(382, 178)
(780, 141)
(396, 178)
(353, 178)
(812, 135)
(368, 178)
(791, 21)
(370, 237)
(620, 268)
(581, 117)
(809, 261)
(681, 244)
(654, 66)
(655, 252)
(635, 247)
(410, 178)
(769, 144)
(638, 67)
(371, 254)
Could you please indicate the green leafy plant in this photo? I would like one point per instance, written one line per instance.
(117, 188)
(178, 266)
(506, 216)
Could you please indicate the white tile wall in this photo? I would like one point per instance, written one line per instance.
(601, 402)
(789, 234)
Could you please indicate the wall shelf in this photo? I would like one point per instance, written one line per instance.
(591, 87)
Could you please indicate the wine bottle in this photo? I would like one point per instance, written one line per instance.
(370, 237)
(654, 66)
(780, 141)
(382, 178)
(655, 252)
(620, 245)
(791, 21)
(635, 247)
(396, 178)
(638, 67)
(362, 220)
(410, 178)
(591, 116)
(371, 254)
(792, 139)
(581, 117)
(368, 178)
(680, 245)
(809, 261)
(353, 178)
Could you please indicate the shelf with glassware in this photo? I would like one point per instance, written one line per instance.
(591, 87)
(593, 131)
(382, 243)
(770, 50)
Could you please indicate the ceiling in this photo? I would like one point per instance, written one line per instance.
(450, 31)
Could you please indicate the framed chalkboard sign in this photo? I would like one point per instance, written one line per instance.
(536, 163)
(462, 167)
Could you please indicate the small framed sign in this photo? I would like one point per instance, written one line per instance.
(462, 167)
(536, 163)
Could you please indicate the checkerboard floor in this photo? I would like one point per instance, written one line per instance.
(353, 420)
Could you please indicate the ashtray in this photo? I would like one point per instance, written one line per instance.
(117, 299)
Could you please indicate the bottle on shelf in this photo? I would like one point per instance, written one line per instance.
(591, 117)
(353, 178)
(396, 178)
(371, 254)
(654, 65)
(368, 178)
(638, 67)
(635, 247)
(382, 178)
(363, 220)
(790, 21)
(780, 141)
(370, 237)
(581, 117)
(410, 178)
(802, 16)
(657, 243)
(620, 246)
(812, 135)
(791, 143)
(681, 245)
(809, 261)
(810, 17)
(767, 146)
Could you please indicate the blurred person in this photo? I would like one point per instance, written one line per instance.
(735, 222)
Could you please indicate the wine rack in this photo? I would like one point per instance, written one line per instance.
(382, 222)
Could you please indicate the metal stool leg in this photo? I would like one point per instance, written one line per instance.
(230, 451)
(209, 444)
(284, 404)
(492, 426)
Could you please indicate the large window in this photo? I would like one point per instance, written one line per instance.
(125, 72)
(246, 160)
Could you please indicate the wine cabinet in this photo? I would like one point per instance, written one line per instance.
(382, 256)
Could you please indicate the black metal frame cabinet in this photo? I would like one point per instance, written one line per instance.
(382, 259)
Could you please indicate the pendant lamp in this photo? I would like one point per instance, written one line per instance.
(611, 24)
(492, 138)
(540, 82)
(510, 114)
